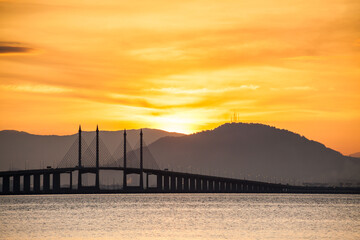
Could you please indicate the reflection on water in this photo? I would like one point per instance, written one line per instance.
(180, 216)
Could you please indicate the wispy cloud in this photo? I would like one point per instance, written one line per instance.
(203, 90)
(11, 47)
(35, 88)
(294, 88)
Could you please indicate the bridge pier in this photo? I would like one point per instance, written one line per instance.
(222, 186)
(204, 187)
(46, 182)
(192, 184)
(36, 183)
(179, 187)
(173, 183)
(79, 179)
(70, 180)
(216, 186)
(147, 180)
(16, 184)
(56, 182)
(233, 187)
(211, 186)
(227, 187)
(27, 183)
(6, 184)
(159, 182)
(166, 183)
(238, 187)
(252, 187)
(186, 184)
(198, 184)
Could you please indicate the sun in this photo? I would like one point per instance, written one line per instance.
(175, 123)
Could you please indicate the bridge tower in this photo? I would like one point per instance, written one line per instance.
(141, 161)
(97, 183)
(79, 164)
(124, 172)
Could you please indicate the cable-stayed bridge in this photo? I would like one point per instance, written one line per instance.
(93, 159)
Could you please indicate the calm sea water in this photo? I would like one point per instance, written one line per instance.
(180, 216)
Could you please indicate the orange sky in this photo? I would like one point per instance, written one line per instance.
(182, 66)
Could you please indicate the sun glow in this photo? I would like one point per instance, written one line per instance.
(176, 123)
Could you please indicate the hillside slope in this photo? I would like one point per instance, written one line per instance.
(20, 150)
(256, 151)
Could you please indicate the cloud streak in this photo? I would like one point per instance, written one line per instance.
(4, 49)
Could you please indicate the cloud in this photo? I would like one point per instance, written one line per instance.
(295, 88)
(35, 88)
(4, 49)
(203, 90)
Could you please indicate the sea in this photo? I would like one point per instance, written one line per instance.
(181, 216)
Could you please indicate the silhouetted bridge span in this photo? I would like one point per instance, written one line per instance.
(48, 181)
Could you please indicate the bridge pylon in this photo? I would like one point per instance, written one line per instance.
(124, 171)
(141, 161)
(79, 164)
(97, 182)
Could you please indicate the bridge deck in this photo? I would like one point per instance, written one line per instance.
(167, 181)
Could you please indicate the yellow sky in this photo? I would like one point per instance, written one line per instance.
(182, 66)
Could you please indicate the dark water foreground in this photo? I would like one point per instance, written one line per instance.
(180, 216)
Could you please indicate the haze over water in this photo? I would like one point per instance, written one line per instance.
(180, 216)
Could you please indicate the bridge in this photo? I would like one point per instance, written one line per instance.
(83, 159)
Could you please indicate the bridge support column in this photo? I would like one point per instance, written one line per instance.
(166, 183)
(192, 184)
(37, 183)
(173, 183)
(222, 186)
(217, 186)
(6, 184)
(198, 184)
(70, 180)
(204, 185)
(238, 187)
(233, 187)
(16, 188)
(211, 186)
(56, 182)
(27, 183)
(159, 182)
(179, 187)
(46, 182)
(228, 187)
(79, 180)
(186, 184)
(147, 180)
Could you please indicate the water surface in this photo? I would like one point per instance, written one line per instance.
(180, 216)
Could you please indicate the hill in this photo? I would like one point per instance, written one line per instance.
(355, 155)
(20, 150)
(256, 151)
